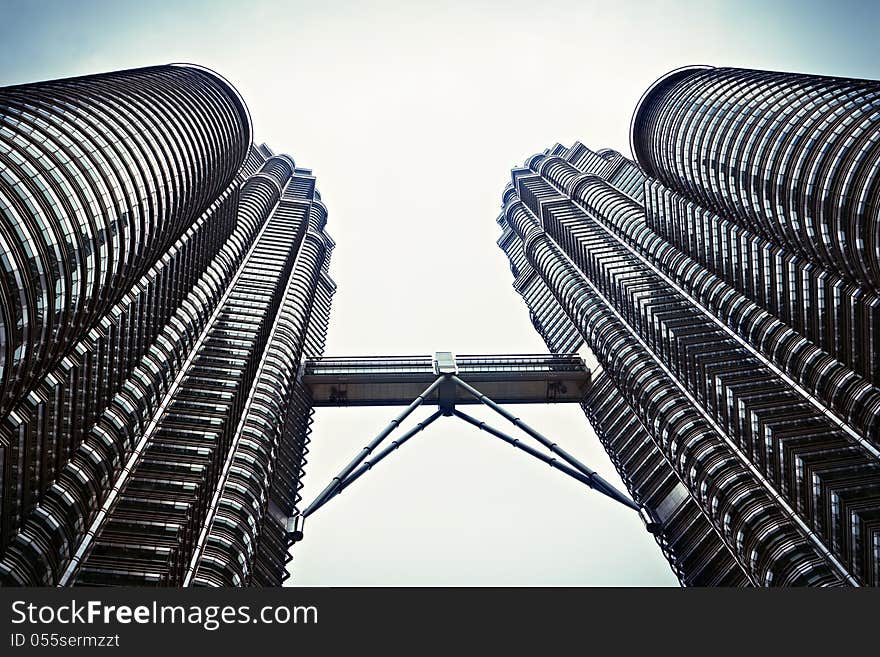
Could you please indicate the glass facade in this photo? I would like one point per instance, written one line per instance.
(165, 294)
(726, 286)
(163, 277)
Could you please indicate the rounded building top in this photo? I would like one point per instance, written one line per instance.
(643, 107)
(233, 92)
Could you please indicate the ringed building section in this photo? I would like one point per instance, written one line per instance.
(796, 158)
(99, 176)
(163, 276)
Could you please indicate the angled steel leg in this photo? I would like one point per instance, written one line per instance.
(596, 481)
(366, 465)
(366, 451)
(553, 463)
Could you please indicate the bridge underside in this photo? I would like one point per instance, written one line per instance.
(397, 380)
(447, 380)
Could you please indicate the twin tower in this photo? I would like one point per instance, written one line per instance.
(163, 278)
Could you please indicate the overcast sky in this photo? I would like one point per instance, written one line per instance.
(412, 115)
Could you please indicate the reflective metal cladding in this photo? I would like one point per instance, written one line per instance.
(162, 277)
(792, 158)
(726, 283)
(163, 280)
(100, 176)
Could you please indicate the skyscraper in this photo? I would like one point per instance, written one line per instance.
(726, 285)
(161, 278)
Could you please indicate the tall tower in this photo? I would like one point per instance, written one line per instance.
(727, 287)
(161, 279)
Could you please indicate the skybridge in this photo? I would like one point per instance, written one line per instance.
(448, 381)
(397, 380)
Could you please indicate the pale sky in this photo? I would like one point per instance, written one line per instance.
(411, 115)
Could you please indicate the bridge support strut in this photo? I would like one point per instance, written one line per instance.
(359, 465)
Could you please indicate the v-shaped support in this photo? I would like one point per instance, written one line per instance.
(572, 466)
